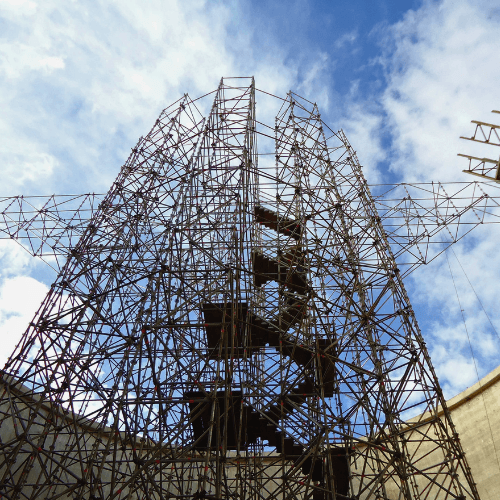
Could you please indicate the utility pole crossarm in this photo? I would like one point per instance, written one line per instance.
(487, 168)
(482, 167)
(486, 133)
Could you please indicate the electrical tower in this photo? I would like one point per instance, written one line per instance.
(232, 324)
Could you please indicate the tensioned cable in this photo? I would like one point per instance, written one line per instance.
(475, 293)
(474, 360)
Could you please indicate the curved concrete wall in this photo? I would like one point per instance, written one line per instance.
(475, 413)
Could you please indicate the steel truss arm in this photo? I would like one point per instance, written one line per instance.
(421, 219)
(48, 227)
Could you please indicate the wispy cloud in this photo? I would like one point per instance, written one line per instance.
(440, 72)
(346, 39)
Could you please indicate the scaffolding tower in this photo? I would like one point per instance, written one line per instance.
(228, 324)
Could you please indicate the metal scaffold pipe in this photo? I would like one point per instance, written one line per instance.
(229, 324)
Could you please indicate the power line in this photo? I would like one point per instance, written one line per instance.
(475, 293)
(462, 312)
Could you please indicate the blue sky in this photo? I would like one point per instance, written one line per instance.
(81, 81)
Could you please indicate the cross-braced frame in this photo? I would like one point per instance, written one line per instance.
(225, 329)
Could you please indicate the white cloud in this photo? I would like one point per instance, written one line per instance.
(50, 63)
(20, 297)
(17, 59)
(15, 260)
(312, 84)
(346, 39)
(82, 82)
(14, 8)
(21, 168)
(21, 294)
(441, 74)
(439, 64)
(455, 371)
(363, 129)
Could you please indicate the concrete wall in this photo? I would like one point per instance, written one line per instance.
(50, 460)
(475, 413)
